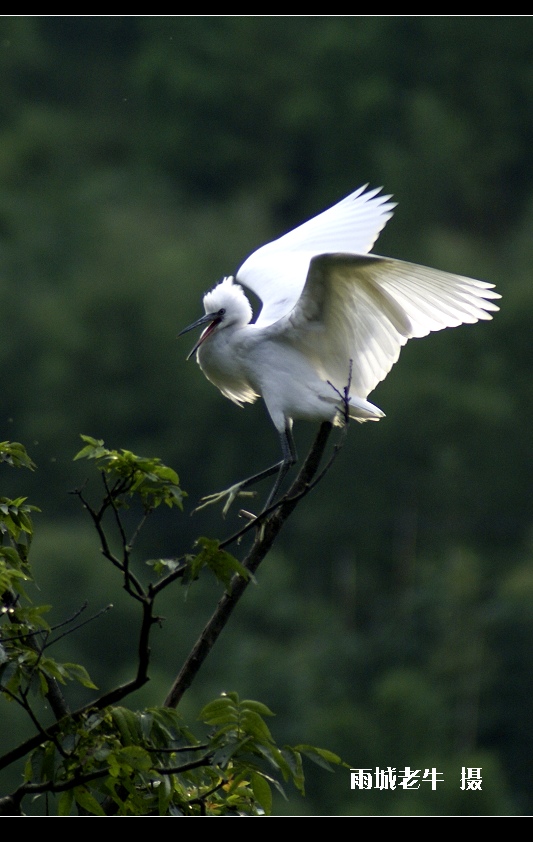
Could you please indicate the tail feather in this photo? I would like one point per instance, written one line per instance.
(361, 410)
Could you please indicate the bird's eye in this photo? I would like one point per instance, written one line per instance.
(222, 311)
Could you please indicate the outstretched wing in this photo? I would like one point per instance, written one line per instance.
(364, 309)
(277, 271)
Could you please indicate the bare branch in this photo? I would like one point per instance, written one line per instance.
(262, 544)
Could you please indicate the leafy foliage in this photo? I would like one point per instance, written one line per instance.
(104, 758)
(220, 562)
(130, 475)
(121, 762)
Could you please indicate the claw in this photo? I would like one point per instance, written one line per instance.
(251, 517)
(248, 515)
(231, 493)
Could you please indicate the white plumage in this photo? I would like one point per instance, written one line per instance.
(332, 316)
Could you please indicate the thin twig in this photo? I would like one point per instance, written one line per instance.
(129, 578)
(80, 625)
(105, 700)
(97, 518)
(185, 767)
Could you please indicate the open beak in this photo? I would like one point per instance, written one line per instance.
(211, 319)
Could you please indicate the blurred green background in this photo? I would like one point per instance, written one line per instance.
(143, 158)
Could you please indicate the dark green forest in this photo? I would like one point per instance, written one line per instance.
(141, 160)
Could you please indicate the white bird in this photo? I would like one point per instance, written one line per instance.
(333, 321)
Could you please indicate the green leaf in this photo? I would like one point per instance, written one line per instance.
(93, 449)
(149, 478)
(220, 562)
(86, 800)
(66, 800)
(128, 725)
(294, 767)
(14, 454)
(164, 794)
(11, 676)
(262, 792)
(255, 726)
(168, 721)
(78, 673)
(219, 711)
(258, 707)
(10, 579)
(164, 565)
(134, 757)
(11, 555)
(321, 756)
(31, 616)
(52, 668)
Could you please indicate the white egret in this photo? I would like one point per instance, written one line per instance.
(332, 322)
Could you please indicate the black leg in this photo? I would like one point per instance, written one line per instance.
(289, 458)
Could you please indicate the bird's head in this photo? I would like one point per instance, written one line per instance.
(225, 306)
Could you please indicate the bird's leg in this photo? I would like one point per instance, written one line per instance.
(289, 459)
(237, 490)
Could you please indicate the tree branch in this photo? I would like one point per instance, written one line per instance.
(266, 535)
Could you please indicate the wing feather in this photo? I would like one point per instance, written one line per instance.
(364, 309)
(277, 271)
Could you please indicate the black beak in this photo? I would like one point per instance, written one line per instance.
(212, 319)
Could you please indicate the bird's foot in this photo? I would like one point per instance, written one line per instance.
(231, 493)
(251, 517)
